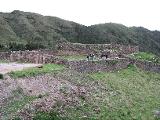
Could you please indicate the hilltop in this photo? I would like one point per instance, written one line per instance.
(24, 30)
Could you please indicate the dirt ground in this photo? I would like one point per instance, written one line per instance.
(8, 67)
(51, 87)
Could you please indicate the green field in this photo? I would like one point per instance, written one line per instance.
(46, 68)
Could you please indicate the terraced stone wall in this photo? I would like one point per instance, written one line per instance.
(147, 66)
(111, 65)
(97, 48)
(95, 66)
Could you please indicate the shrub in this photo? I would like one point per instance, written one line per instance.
(1, 76)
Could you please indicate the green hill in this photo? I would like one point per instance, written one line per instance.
(24, 30)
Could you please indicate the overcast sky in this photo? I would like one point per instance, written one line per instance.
(144, 13)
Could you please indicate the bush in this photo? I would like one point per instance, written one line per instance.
(34, 46)
(16, 46)
(1, 76)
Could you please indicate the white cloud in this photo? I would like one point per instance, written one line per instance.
(128, 12)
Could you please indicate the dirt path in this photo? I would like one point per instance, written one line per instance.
(8, 67)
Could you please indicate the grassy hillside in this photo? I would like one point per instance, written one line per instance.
(33, 29)
(116, 33)
(121, 95)
(128, 94)
(23, 30)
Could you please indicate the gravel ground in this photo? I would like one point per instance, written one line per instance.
(52, 88)
(8, 67)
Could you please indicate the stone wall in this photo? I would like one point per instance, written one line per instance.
(26, 56)
(96, 48)
(95, 66)
(55, 60)
(110, 65)
(43, 57)
(147, 66)
(4, 55)
(38, 57)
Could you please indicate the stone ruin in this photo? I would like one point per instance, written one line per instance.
(114, 50)
(38, 57)
(116, 54)
(42, 56)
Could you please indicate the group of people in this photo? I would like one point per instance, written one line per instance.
(91, 56)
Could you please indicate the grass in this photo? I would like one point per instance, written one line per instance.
(4, 61)
(128, 94)
(77, 58)
(47, 116)
(47, 68)
(146, 57)
(15, 103)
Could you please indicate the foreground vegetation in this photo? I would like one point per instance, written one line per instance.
(128, 94)
(16, 102)
(46, 68)
(146, 57)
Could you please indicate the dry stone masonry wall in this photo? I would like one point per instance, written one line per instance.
(111, 65)
(4, 55)
(47, 56)
(147, 66)
(95, 66)
(96, 48)
(25, 56)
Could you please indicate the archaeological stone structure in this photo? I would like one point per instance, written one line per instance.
(98, 48)
(111, 65)
(117, 55)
